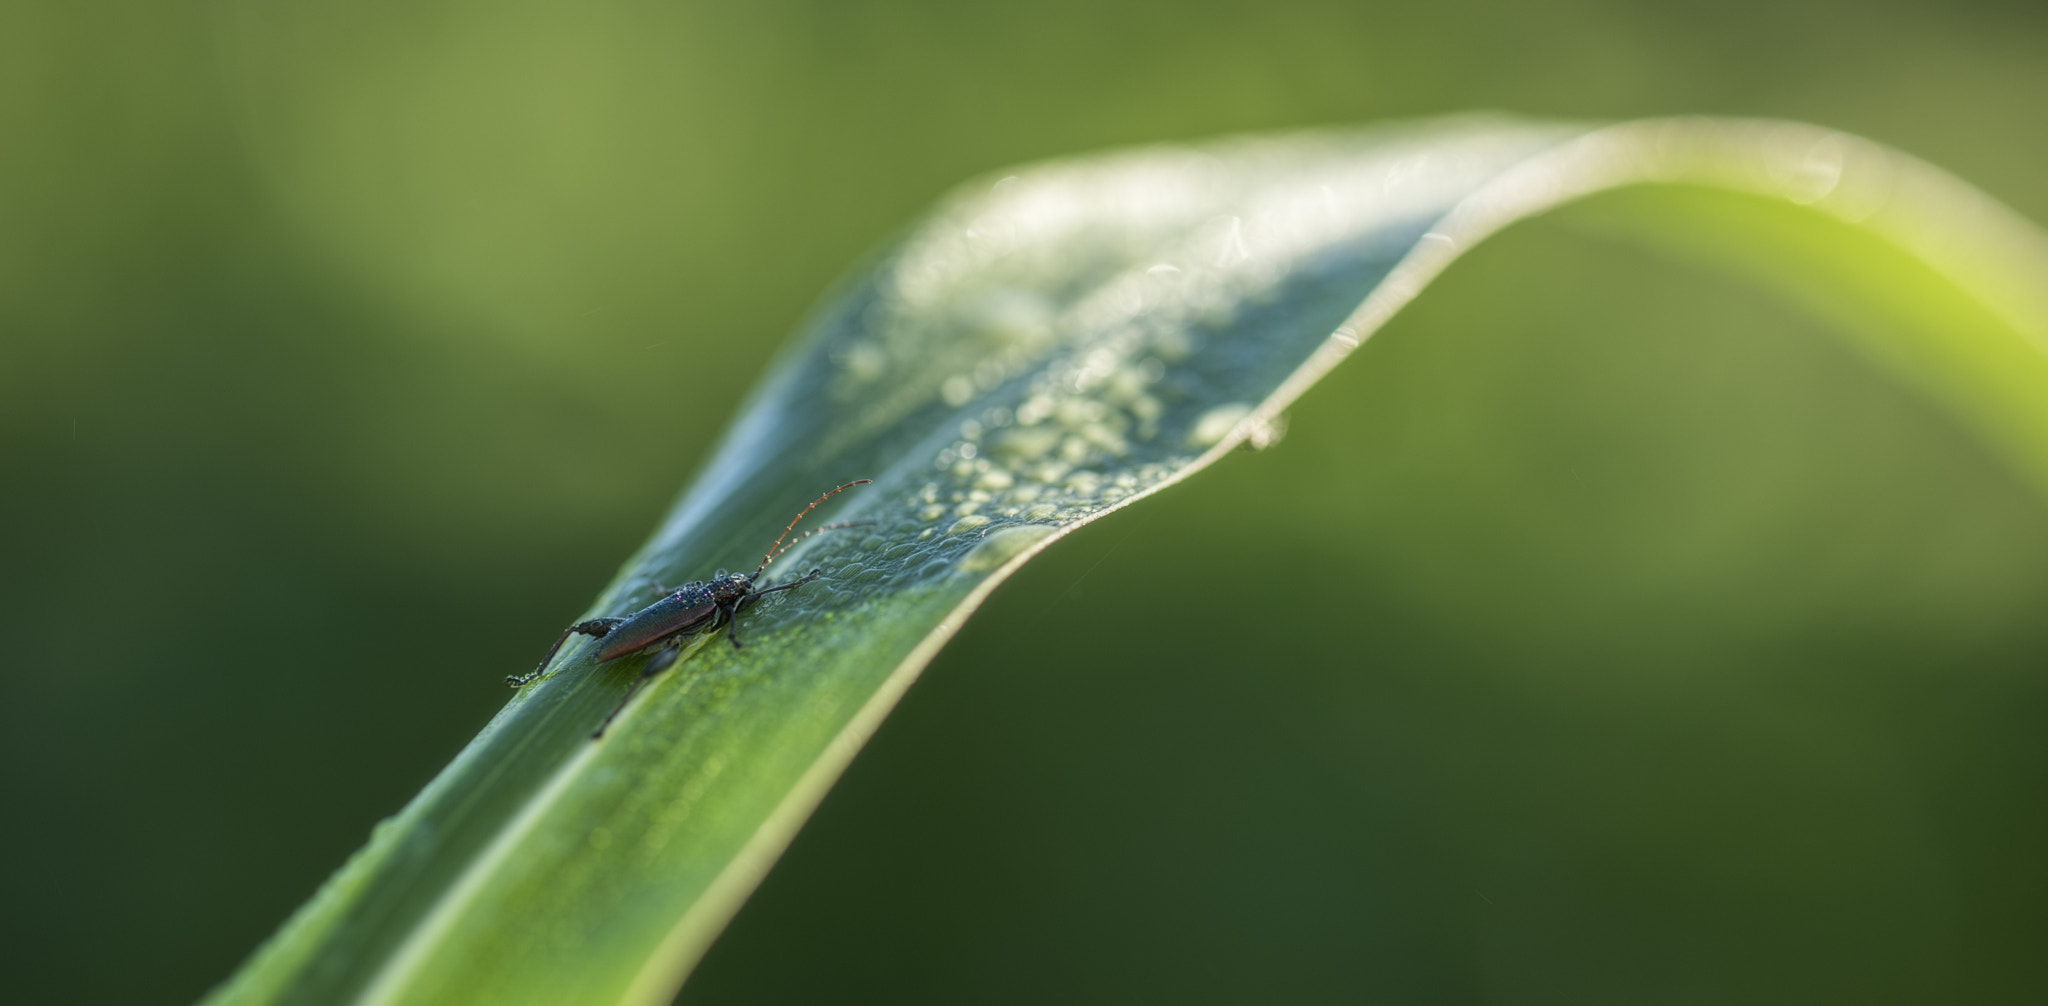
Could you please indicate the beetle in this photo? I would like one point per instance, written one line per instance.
(693, 608)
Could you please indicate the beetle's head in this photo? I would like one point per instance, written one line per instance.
(733, 583)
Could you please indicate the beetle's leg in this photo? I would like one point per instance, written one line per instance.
(719, 616)
(595, 627)
(731, 617)
(662, 660)
(747, 599)
(740, 603)
(791, 585)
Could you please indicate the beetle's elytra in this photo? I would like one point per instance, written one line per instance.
(662, 627)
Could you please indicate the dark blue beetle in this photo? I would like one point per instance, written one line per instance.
(661, 627)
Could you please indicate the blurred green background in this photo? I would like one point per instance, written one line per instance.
(1606, 631)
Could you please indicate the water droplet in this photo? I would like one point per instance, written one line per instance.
(967, 523)
(1003, 545)
(1217, 423)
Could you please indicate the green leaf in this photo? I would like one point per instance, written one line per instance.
(1047, 347)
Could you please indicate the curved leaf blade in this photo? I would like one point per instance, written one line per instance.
(1044, 349)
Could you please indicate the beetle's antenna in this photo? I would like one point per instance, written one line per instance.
(774, 550)
(816, 530)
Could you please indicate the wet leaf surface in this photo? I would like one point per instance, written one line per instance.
(1047, 346)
